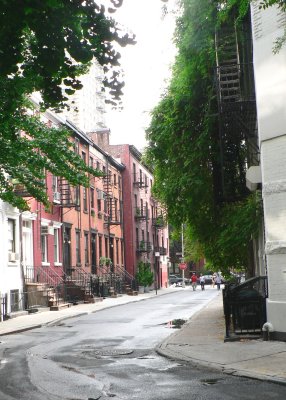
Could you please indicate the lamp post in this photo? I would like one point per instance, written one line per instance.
(183, 271)
(157, 258)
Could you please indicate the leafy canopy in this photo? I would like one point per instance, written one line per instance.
(184, 148)
(45, 46)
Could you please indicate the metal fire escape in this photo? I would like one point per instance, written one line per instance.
(68, 195)
(236, 110)
(113, 213)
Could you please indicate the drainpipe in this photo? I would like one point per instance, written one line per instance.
(267, 329)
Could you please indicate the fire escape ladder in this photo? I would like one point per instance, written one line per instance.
(67, 194)
(112, 204)
(228, 67)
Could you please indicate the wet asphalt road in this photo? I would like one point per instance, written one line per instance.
(110, 354)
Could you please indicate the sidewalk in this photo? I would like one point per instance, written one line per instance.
(201, 342)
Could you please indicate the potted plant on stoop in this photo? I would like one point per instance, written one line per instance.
(105, 261)
(144, 276)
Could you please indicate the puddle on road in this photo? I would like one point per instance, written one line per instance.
(210, 381)
(175, 323)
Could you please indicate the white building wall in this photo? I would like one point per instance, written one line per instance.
(10, 271)
(270, 81)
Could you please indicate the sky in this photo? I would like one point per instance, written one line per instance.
(146, 67)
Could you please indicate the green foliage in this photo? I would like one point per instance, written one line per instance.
(45, 46)
(184, 147)
(105, 261)
(144, 275)
(48, 43)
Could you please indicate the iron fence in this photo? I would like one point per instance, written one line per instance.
(245, 306)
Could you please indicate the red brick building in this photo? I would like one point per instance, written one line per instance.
(145, 234)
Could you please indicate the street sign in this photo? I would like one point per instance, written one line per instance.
(183, 266)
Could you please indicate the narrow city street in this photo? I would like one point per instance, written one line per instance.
(111, 353)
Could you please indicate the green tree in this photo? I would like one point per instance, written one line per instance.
(144, 275)
(45, 46)
(184, 147)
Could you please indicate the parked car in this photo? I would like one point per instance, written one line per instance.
(175, 279)
(208, 279)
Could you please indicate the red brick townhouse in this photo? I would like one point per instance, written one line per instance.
(145, 232)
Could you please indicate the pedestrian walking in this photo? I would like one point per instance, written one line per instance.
(213, 280)
(202, 282)
(218, 281)
(194, 281)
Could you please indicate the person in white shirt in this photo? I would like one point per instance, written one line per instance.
(202, 282)
(218, 281)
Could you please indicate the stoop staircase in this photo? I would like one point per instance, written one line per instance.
(45, 288)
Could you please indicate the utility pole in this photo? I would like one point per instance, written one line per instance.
(183, 271)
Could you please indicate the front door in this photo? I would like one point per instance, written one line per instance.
(67, 250)
(27, 250)
(93, 253)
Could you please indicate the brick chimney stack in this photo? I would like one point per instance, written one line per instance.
(101, 138)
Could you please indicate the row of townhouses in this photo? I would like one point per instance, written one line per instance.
(90, 241)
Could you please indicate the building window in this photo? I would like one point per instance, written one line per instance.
(100, 246)
(117, 251)
(83, 156)
(114, 180)
(98, 165)
(140, 176)
(76, 145)
(106, 247)
(56, 246)
(77, 246)
(122, 253)
(11, 235)
(99, 205)
(15, 301)
(146, 209)
(44, 243)
(110, 211)
(91, 197)
(116, 210)
(55, 184)
(84, 199)
(91, 162)
(136, 200)
(119, 182)
(77, 196)
(86, 255)
(134, 172)
(137, 237)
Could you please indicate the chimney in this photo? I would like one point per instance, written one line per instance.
(101, 138)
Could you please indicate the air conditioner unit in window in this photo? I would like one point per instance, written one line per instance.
(13, 257)
(56, 197)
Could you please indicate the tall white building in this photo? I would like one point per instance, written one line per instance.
(87, 105)
(270, 82)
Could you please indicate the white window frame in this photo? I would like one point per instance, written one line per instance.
(57, 262)
(44, 247)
